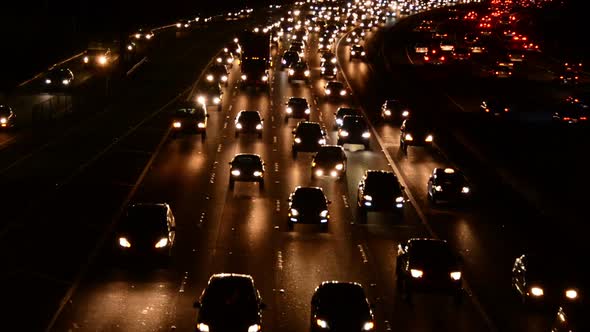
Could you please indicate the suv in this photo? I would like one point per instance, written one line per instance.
(308, 205)
(308, 137)
(189, 118)
(379, 190)
(354, 130)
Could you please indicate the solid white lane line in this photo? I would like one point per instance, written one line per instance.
(363, 253)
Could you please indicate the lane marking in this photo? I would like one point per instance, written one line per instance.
(417, 208)
(225, 125)
(219, 147)
(183, 283)
(363, 253)
(345, 201)
(276, 167)
(137, 65)
(408, 56)
(280, 260)
(278, 205)
(274, 139)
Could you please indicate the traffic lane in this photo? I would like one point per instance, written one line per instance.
(462, 230)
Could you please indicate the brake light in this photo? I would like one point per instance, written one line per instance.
(583, 118)
(567, 118)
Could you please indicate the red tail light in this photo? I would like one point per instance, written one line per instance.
(567, 118)
(583, 118)
(426, 58)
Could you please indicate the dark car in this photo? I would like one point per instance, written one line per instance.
(428, 265)
(328, 69)
(308, 205)
(435, 56)
(357, 52)
(147, 229)
(299, 72)
(329, 161)
(249, 122)
(569, 78)
(233, 48)
(342, 112)
(59, 77)
(461, 53)
(7, 117)
(571, 317)
(298, 48)
(354, 130)
(308, 137)
(341, 306)
(225, 58)
(183, 24)
(328, 57)
(289, 58)
(217, 74)
(297, 108)
(230, 302)
(379, 191)
(143, 33)
(246, 167)
(335, 89)
(415, 132)
(394, 110)
(97, 56)
(210, 94)
(547, 279)
(190, 118)
(573, 111)
(448, 185)
(495, 107)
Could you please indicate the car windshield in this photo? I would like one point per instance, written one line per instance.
(247, 160)
(431, 253)
(299, 102)
(249, 116)
(354, 122)
(189, 111)
(309, 129)
(145, 219)
(300, 65)
(335, 85)
(5, 111)
(229, 292)
(381, 182)
(290, 55)
(416, 124)
(343, 300)
(306, 196)
(357, 48)
(346, 111)
(450, 178)
(92, 52)
(329, 154)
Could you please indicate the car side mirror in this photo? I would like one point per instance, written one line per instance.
(197, 305)
(262, 305)
(329, 202)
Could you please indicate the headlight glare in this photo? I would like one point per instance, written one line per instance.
(537, 291)
(456, 275)
(163, 242)
(123, 242)
(416, 273)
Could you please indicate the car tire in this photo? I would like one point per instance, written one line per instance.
(294, 154)
(324, 228)
(290, 226)
(236, 134)
(362, 215)
(232, 183)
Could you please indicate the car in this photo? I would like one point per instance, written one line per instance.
(190, 118)
(7, 117)
(335, 90)
(461, 53)
(298, 47)
(568, 78)
(379, 191)
(143, 34)
(329, 161)
(246, 167)
(326, 38)
(516, 56)
(183, 24)
(447, 45)
(546, 279)
(324, 46)
(353, 38)
(500, 71)
(97, 56)
(448, 185)
(428, 265)
(299, 72)
(297, 107)
(477, 47)
(415, 132)
(59, 77)
(421, 48)
(435, 56)
(471, 38)
(571, 317)
(342, 112)
(146, 230)
(354, 130)
(394, 110)
(339, 306)
(308, 137)
(289, 58)
(308, 205)
(248, 122)
(357, 52)
(217, 74)
(225, 58)
(328, 69)
(495, 107)
(230, 302)
(571, 113)
(210, 94)
(328, 57)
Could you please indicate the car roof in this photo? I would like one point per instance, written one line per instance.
(300, 190)
(309, 124)
(247, 156)
(330, 148)
(427, 244)
(297, 100)
(248, 113)
(335, 83)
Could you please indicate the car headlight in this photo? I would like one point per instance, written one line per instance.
(254, 328)
(405, 113)
(456, 275)
(368, 198)
(244, 77)
(306, 73)
(387, 112)
(465, 190)
(65, 82)
(216, 100)
(257, 173)
(343, 133)
(201, 125)
(438, 188)
(203, 327)
(230, 60)
(177, 124)
(307, 111)
(102, 59)
(324, 214)
(163, 242)
(47, 81)
(178, 25)
(123, 242)
(339, 167)
(363, 53)
(291, 71)
(238, 125)
(201, 99)
(3, 120)
(322, 141)
(264, 78)
(321, 323)
(537, 291)
(284, 61)
(297, 140)
(259, 126)
(399, 199)
(219, 60)
(409, 137)
(416, 273)
(86, 59)
(571, 294)
(294, 212)
(289, 110)
(428, 138)
(366, 134)
(368, 326)
(352, 52)
(209, 77)
(328, 91)
(342, 92)
(235, 172)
